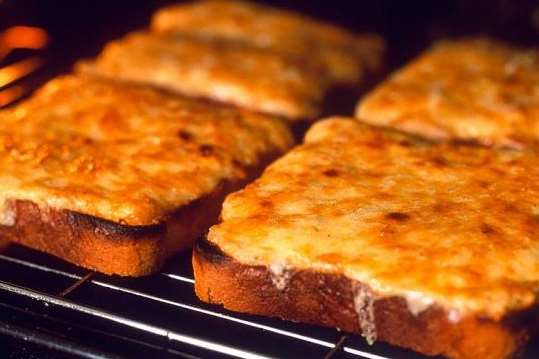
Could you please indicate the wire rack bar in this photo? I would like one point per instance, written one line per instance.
(159, 331)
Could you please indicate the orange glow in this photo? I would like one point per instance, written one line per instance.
(19, 69)
(11, 94)
(19, 37)
(22, 37)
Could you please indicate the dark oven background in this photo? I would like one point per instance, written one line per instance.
(48, 330)
(79, 28)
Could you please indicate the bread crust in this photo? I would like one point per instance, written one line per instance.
(113, 248)
(361, 219)
(328, 299)
(374, 204)
(85, 240)
(149, 170)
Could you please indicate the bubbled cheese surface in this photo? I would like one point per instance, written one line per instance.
(228, 72)
(125, 153)
(457, 226)
(344, 55)
(475, 89)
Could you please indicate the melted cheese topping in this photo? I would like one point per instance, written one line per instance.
(469, 89)
(125, 153)
(249, 77)
(344, 55)
(433, 223)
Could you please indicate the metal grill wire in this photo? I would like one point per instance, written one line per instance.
(177, 308)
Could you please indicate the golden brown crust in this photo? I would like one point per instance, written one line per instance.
(471, 89)
(328, 299)
(346, 56)
(253, 78)
(112, 248)
(370, 203)
(128, 154)
(116, 177)
(443, 226)
(87, 241)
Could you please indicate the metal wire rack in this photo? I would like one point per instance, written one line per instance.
(53, 304)
(48, 303)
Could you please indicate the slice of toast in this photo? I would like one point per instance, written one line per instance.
(116, 177)
(229, 72)
(471, 89)
(429, 246)
(346, 56)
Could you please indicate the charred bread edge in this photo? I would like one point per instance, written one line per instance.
(87, 241)
(113, 228)
(115, 248)
(334, 300)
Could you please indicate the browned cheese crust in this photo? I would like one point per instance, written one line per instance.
(115, 177)
(431, 246)
(253, 78)
(347, 57)
(472, 89)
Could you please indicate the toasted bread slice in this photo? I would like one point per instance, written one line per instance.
(116, 177)
(344, 55)
(242, 75)
(471, 89)
(430, 246)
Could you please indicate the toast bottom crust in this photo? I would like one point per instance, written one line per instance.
(113, 248)
(331, 300)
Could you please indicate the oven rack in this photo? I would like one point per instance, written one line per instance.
(49, 303)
